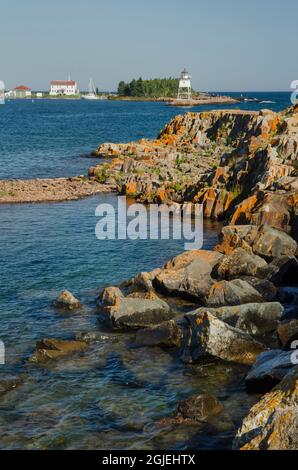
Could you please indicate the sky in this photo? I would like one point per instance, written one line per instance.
(227, 45)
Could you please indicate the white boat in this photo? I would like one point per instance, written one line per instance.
(92, 92)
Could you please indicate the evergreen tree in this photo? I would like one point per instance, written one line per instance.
(121, 88)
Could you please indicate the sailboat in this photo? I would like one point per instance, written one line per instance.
(92, 92)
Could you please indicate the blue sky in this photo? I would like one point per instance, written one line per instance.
(225, 44)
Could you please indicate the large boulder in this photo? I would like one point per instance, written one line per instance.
(238, 263)
(262, 240)
(269, 369)
(188, 275)
(210, 337)
(137, 313)
(260, 319)
(282, 270)
(67, 301)
(272, 423)
(167, 334)
(270, 243)
(49, 349)
(254, 318)
(234, 292)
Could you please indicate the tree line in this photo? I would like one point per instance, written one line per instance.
(153, 88)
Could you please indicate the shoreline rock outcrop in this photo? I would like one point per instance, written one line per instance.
(241, 165)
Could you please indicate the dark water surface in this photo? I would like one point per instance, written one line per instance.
(112, 396)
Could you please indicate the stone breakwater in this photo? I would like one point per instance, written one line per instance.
(241, 165)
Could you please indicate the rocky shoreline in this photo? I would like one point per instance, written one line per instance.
(241, 298)
(244, 312)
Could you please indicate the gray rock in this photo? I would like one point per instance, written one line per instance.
(270, 243)
(210, 337)
(234, 292)
(238, 263)
(137, 313)
(261, 319)
(269, 369)
(188, 275)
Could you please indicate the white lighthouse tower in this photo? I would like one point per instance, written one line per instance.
(184, 90)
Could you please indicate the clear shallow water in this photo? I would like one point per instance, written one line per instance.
(112, 396)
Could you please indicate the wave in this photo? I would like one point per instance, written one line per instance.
(268, 102)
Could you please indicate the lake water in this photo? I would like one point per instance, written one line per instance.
(113, 396)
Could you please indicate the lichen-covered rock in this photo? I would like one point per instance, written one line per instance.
(67, 301)
(52, 349)
(167, 334)
(137, 313)
(235, 292)
(269, 369)
(210, 337)
(238, 263)
(272, 423)
(110, 296)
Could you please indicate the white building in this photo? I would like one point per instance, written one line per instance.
(184, 90)
(64, 87)
(21, 92)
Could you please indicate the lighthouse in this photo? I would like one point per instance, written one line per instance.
(184, 90)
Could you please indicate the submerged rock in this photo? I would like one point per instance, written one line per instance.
(9, 383)
(67, 301)
(269, 369)
(272, 423)
(48, 349)
(167, 334)
(137, 313)
(199, 408)
(210, 337)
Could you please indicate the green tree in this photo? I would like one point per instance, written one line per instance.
(121, 88)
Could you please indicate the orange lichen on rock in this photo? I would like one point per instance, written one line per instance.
(242, 214)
